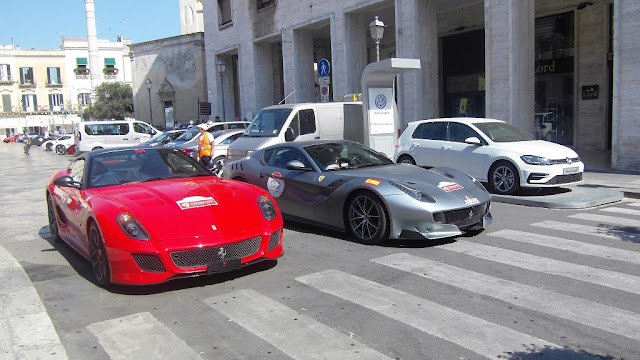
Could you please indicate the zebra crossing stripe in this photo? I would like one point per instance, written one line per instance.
(295, 334)
(570, 245)
(621, 210)
(478, 335)
(600, 231)
(610, 279)
(634, 204)
(607, 219)
(599, 316)
(140, 336)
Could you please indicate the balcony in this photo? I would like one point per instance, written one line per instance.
(57, 85)
(81, 72)
(110, 72)
(7, 80)
(27, 84)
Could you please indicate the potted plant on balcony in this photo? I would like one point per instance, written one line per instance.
(81, 71)
(110, 71)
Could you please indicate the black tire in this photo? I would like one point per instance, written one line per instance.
(366, 219)
(98, 257)
(216, 165)
(53, 221)
(48, 146)
(406, 159)
(504, 178)
(61, 149)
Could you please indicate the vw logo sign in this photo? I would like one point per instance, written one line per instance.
(381, 101)
(569, 161)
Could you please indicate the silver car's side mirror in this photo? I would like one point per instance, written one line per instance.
(296, 165)
(472, 141)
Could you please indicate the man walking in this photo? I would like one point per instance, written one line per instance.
(205, 147)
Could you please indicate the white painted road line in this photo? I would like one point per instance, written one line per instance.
(478, 335)
(608, 318)
(620, 210)
(577, 247)
(634, 204)
(607, 219)
(140, 336)
(600, 231)
(26, 330)
(295, 334)
(610, 279)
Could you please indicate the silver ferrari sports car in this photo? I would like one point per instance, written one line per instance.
(346, 186)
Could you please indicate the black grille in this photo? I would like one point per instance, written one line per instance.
(564, 179)
(148, 263)
(274, 240)
(205, 256)
(564, 161)
(465, 217)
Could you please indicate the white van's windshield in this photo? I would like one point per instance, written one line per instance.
(267, 123)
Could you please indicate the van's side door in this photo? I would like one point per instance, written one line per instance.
(117, 134)
(141, 133)
(304, 125)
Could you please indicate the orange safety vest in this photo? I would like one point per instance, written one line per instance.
(204, 145)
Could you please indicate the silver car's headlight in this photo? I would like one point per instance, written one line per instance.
(266, 206)
(416, 194)
(536, 160)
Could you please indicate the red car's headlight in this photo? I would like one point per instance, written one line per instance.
(266, 206)
(131, 227)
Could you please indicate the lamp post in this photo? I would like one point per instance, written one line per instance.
(376, 27)
(148, 82)
(107, 94)
(220, 66)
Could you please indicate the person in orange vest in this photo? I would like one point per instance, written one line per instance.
(205, 147)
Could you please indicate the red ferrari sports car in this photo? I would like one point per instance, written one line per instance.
(148, 215)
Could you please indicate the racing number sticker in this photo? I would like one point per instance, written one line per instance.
(449, 186)
(275, 184)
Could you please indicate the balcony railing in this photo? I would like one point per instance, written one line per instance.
(56, 85)
(27, 84)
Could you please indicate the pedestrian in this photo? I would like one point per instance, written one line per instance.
(27, 143)
(205, 147)
(217, 119)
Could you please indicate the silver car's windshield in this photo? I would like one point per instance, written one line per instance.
(189, 134)
(503, 132)
(267, 123)
(344, 155)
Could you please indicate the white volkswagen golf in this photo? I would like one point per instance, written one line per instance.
(492, 151)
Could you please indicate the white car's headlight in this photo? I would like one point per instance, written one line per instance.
(536, 160)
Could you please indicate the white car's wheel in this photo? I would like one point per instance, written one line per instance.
(504, 178)
(406, 159)
(61, 149)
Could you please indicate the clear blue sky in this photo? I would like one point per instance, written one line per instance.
(39, 24)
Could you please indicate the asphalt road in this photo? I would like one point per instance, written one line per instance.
(538, 284)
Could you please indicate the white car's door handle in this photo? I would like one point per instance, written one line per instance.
(125, 139)
(446, 147)
(415, 144)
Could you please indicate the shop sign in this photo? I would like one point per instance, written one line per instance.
(554, 66)
(589, 92)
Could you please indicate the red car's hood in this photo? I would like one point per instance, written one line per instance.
(188, 208)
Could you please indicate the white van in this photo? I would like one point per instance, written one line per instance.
(94, 135)
(307, 121)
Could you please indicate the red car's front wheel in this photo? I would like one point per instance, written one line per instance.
(98, 256)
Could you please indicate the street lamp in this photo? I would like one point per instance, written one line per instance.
(107, 94)
(220, 66)
(376, 27)
(148, 82)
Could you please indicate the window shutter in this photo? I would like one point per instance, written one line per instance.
(6, 102)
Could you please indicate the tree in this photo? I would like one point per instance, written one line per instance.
(117, 106)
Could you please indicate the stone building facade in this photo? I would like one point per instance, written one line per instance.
(563, 71)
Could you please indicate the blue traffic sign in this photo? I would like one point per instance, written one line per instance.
(324, 68)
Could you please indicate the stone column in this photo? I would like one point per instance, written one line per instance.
(355, 53)
(288, 65)
(262, 75)
(417, 38)
(92, 39)
(509, 61)
(302, 59)
(626, 103)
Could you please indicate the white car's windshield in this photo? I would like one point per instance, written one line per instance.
(189, 134)
(267, 123)
(503, 132)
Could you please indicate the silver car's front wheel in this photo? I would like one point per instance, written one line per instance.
(367, 219)
(504, 178)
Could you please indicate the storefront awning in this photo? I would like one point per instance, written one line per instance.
(81, 61)
(109, 61)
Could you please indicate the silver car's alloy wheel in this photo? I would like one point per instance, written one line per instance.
(98, 256)
(367, 219)
(53, 222)
(505, 179)
(406, 160)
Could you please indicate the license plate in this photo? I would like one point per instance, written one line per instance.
(571, 170)
(222, 267)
